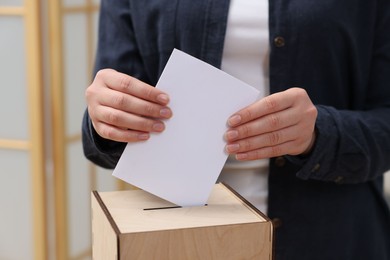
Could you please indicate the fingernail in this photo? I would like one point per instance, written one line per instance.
(163, 98)
(165, 112)
(158, 127)
(232, 134)
(241, 156)
(232, 147)
(143, 136)
(234, 120)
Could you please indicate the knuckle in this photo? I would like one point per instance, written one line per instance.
(247, 114)
(126, 84)
(89, 93)
(274, 121)
(270, 103)
(119, 100)
(149, 109)
(112, 118)
(149, 92)
(101, 73)
(245, 130)
(312, 111)
(246, 145)
(298, 92)
(302, 92)
(107, 133)
(274, 138)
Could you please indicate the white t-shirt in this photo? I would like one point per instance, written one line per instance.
(246, 57)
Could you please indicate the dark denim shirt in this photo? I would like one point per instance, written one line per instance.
(330, 204)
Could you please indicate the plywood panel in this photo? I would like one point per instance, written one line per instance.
(227, 228)
(213, 243)
(105, 240)
(127, 209)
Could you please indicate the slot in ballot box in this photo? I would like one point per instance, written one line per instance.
(135, 224)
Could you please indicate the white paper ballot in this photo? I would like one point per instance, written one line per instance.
(182, 164)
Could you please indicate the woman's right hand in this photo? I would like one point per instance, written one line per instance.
(125, 109)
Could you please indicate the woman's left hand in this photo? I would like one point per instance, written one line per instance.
(279, 124)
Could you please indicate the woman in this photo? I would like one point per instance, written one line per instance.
(323, 132)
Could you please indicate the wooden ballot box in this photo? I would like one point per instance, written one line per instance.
(138, 225)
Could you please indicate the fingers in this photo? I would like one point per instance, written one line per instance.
(122, 92)
(266, 152)
(285, 141)
(113, 124)
(123, 120)
(134, 105)
(125, 109)
(266, 124)
(280, 124)
(120, 135)
(132, 86)
(268, 105)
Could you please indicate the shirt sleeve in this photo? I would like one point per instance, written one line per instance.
(354, 146)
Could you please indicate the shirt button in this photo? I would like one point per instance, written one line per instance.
(276, 222)
(339, 180)
(280, 161)
(279, 41)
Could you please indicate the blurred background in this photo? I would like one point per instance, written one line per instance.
(46, 56)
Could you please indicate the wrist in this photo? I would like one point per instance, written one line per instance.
(311, 144)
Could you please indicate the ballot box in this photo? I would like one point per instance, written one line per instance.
(135, 224)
